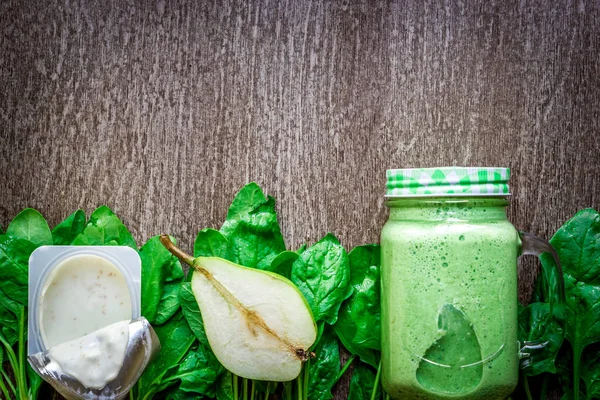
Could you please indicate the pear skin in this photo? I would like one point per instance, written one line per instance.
(257, 322)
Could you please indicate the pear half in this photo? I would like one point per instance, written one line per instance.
(257, 323)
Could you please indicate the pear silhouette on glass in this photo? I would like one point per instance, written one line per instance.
(453, 364)
(257, 322)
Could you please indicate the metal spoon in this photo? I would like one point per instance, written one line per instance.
(142, 347)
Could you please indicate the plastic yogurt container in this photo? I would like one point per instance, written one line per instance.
(76, 290)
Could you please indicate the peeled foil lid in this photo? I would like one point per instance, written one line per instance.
(142, 347)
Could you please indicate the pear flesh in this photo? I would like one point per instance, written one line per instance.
(257, 323)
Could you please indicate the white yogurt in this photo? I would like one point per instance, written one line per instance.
(81, 295)
(95, 359)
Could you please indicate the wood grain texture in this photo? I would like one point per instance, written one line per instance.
(163, 110)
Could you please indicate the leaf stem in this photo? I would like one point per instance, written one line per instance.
(299, 386)
(176, 251)
(543, 393)
(253, 390)
(577, 350)
(12, 358)
(306, 378)
(377, 379)
(526, 386)
(245, 388)
(267, 391)
(22, 376)
(344, 369)
(236, 392)
(3, 386)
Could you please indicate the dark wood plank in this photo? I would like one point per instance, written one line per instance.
(163, 110)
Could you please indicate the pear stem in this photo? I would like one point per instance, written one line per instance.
(176, 251)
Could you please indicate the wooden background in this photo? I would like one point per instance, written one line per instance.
(163, 110)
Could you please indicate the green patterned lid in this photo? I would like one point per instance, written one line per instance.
(447, 181)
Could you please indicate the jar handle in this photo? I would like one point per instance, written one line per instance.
(553, 285)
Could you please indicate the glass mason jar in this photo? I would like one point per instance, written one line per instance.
(449, 285)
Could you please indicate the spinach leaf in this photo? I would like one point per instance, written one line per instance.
(105, 228)
(358, 325)
(578, 245)
(257, 239)
(251, 228)
(324, 368)
(590, 371)
(65, 232)
(9, 322)
(14, 267)
(198, 372)
(362, 383)
(537, 323)
(282, 264)
(160, 299)
(225, 386)
(211, 243)
(179, 394)
(35, 382)
(31, 226)
(287, 391)
(176, 339)
(250, 197)
(322, 274)
(191, 311)
(169, 303)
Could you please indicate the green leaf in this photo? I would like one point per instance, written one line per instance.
(363, 382)
(65, 232)
(358, 325)
(14, 267)
(225, 386)
(257, 240)
(169, 303)
(160, 299)
(198, 372)
(577, 244)
(34, 381)
(287, 391)
(176, 338)
(324, 368)
(105, 228)
(31, 226)
(9, 321)
(538, 324)
(322, 274)
(282, 264)
(211, 243)
(179, 394)
(590, 371)
(191, 311)
(264, 386)
(564, 363)
(250, 197)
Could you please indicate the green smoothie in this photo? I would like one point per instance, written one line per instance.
(449, 299)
